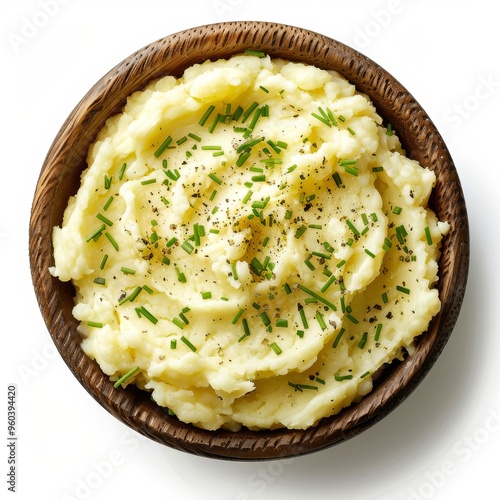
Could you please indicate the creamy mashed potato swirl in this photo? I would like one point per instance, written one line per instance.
(250, 243)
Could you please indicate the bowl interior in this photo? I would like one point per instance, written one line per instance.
(60, 178)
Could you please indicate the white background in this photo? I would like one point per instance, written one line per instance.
(443, 442)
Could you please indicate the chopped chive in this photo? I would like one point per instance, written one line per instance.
(364, 339)
(321, 320)
(346, 163)
(265, 318)
(372, 255)
(180, 275)
(237, 113)
(274, 146)
(127, 270)
(122, 171)
(397, 210)
(309, 264)
(197, 235)
(321, 255)
(237, 316)
(206, 295)
(187, 247)
(342, 304)
(249, 111)
(99, 281)
(403, 289)
(135, 293)
(246, 330)
(264, 89)
(352, 227)
(148, 181)
(260, 203)
(96, 232)
(338, 337)
(182, 316)
(256, 53)
(351, 131)
(206, 115)
(215, 178)
(256, 266)
(249, 144)
(214, 124)
(328, 283)
(107, 182)
(234, 271)
(303, 318)
(389, 130)
(108, 203)
(385, 299)
(103, 261)
(377, 169)
(322, 119)
(365, 374)
(331, 117)
(328, 247)
(282, 323)
(317, 296)
(259, 178)
(351, 170)
(401, 234)
(173, 344)
(171, 241)
(377, 332)
(188, 343)
(351, 318)
(122, 379)
(387, 244)
(242, 158)
(178, 323)
(131, 297)
(95, 324)
(112, 241)
(340, 378)
(308, 387)
(276, 348)
(164, 145)
(104, 219)
(300, 231)
(428, 235)
(194, 136)
(144, 312)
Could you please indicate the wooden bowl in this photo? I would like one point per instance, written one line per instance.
(60, 178)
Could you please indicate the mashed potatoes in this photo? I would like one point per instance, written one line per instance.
(250, 244)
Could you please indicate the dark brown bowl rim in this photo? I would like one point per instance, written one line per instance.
(171, 55)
